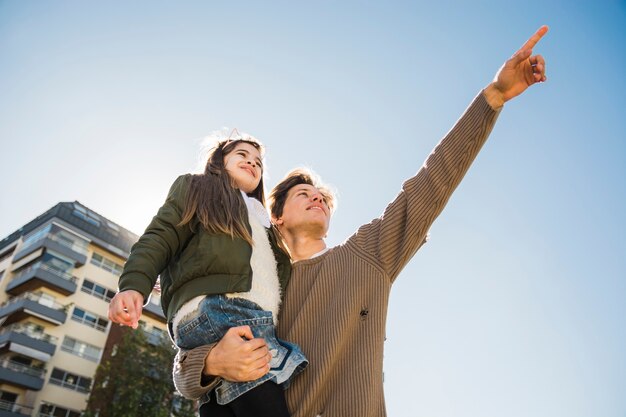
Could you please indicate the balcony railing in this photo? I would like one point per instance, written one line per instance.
(45, 266)
(69, 385)
(28, 304)
(81, 354)
(73, 245)
(38, 298)
(42, 274)
(14, 409)
(23, 369)
(28, 331)
(57, 241)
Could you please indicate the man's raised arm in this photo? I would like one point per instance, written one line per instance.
(391, 240)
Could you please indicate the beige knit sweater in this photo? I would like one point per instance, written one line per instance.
(335, 306)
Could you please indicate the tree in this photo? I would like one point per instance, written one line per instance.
(136, 380)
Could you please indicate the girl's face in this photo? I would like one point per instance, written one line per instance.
(243, 165)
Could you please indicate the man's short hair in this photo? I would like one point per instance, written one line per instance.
(298, 176)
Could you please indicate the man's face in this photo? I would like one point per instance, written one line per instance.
(305, 210)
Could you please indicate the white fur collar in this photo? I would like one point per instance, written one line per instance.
(256, 209)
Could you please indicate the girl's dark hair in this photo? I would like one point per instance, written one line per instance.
(214, 199)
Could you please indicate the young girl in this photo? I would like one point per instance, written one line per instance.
(220, 266)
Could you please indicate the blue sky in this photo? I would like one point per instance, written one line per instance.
(516, 305)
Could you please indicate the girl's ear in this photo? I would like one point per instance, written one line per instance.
(277, 222)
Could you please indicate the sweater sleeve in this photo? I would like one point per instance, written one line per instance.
(391, 240)
(187, 372)
(161, 241)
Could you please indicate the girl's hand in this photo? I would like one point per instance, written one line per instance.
(125, 308)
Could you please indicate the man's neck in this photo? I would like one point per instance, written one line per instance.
(301, 248)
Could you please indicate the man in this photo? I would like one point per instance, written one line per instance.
(335, 305)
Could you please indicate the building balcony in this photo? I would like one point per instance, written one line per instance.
(26, 341)
(73, 250)
(10, 409)
(32, 305)
(42, 274)
(23, 376)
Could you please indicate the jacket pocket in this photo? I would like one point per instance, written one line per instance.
(197, 332)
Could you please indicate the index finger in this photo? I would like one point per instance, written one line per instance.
(243, 332)
(532, 41)
(255, 344)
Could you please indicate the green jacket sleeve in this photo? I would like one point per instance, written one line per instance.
(161, 241)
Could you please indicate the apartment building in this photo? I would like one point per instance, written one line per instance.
(57, 275)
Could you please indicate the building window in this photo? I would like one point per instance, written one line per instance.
(86, 215)
(51, 262)
(7, 400)
(106, 264)
(154, 335)
(113, 228)
(36, 236)
(58, 262)
(58, 234)
(51, 410)
(90, 319)
(70, 240)
(82, 349)
(70, 381)
(97, 291)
